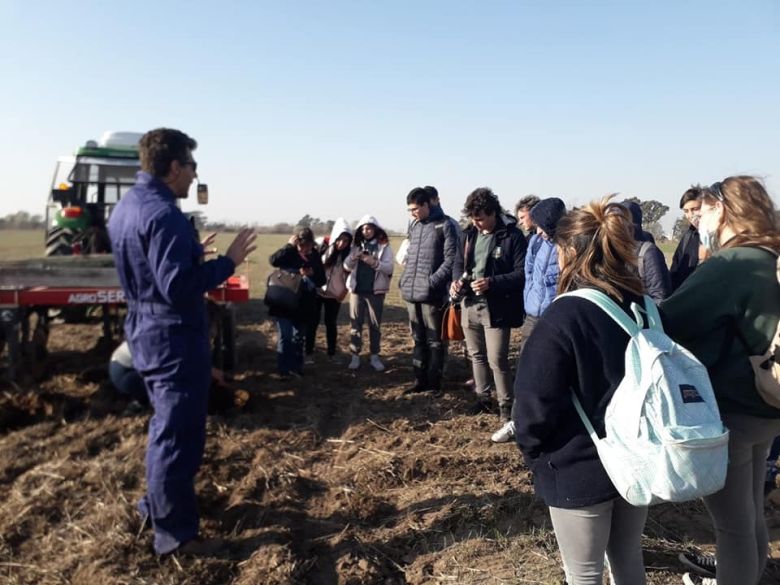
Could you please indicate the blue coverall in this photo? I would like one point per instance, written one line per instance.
(164, 278)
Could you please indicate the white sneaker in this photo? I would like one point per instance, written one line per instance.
(504, 434)
(376, 363)
(693, 579)
(354, 363)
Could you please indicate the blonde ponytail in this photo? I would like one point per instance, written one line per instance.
(598, 250)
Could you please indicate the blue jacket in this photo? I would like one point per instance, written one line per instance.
(164, 278)
(429, 260)
(541, 275)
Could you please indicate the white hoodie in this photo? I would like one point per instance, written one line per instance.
(383, 269)
(335, 286)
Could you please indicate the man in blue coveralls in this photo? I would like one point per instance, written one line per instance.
(164, 278)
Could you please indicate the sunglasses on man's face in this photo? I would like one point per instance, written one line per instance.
(191, 163)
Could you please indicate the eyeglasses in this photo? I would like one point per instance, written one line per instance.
(412, 209)
(715, 191)
(191, 163)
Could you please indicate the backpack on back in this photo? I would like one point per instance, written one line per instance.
(665, 441)
(766, 366)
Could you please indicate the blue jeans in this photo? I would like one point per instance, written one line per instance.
(128, 382)
(289, 346)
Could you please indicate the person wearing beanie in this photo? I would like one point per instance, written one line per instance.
(651, 262)
(541, 279)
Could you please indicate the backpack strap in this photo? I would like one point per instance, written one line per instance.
(611, 308)
(584, 417)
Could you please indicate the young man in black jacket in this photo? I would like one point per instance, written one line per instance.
(490, 262)
(686, 256)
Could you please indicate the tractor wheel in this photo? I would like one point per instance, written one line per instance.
(59, 242)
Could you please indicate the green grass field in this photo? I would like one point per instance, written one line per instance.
(20, 244)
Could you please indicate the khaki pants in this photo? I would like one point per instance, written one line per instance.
(489, 351)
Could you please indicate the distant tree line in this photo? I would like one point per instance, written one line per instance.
(318, 226)
(22, 220)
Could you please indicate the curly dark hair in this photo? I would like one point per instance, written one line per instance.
(481, 200)
(160, 147)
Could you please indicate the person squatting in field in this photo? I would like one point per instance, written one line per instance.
(330, 295)
(370, 267)
(577, 347)
(164, 280)
(298, 256)
(489, 261)
(724, 312)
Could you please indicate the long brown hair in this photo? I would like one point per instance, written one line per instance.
(748, 210)
(597, 248)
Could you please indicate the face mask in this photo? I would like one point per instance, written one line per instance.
(707, 239)
(708, 236)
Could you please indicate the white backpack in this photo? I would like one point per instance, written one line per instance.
(665, 441)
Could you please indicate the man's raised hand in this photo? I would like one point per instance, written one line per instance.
(242, 246)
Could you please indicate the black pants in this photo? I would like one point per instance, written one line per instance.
(429, 351)
(330, 308)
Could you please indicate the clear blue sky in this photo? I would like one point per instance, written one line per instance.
(340, 108)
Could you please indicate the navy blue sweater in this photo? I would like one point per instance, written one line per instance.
(575, 345)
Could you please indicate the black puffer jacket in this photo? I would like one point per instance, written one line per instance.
(653, 271)
(504, 267)
(429, 260)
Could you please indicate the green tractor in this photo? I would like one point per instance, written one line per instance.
(85, 188)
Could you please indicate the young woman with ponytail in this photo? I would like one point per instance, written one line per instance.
(577, 347)
(726, 311)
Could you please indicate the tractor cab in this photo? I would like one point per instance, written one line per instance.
(85, 188)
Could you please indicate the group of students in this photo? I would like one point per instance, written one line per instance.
(722, 287)
(358, 264)
(724, 310)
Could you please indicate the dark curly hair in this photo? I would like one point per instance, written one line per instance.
(481, 200)
(160, 147)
